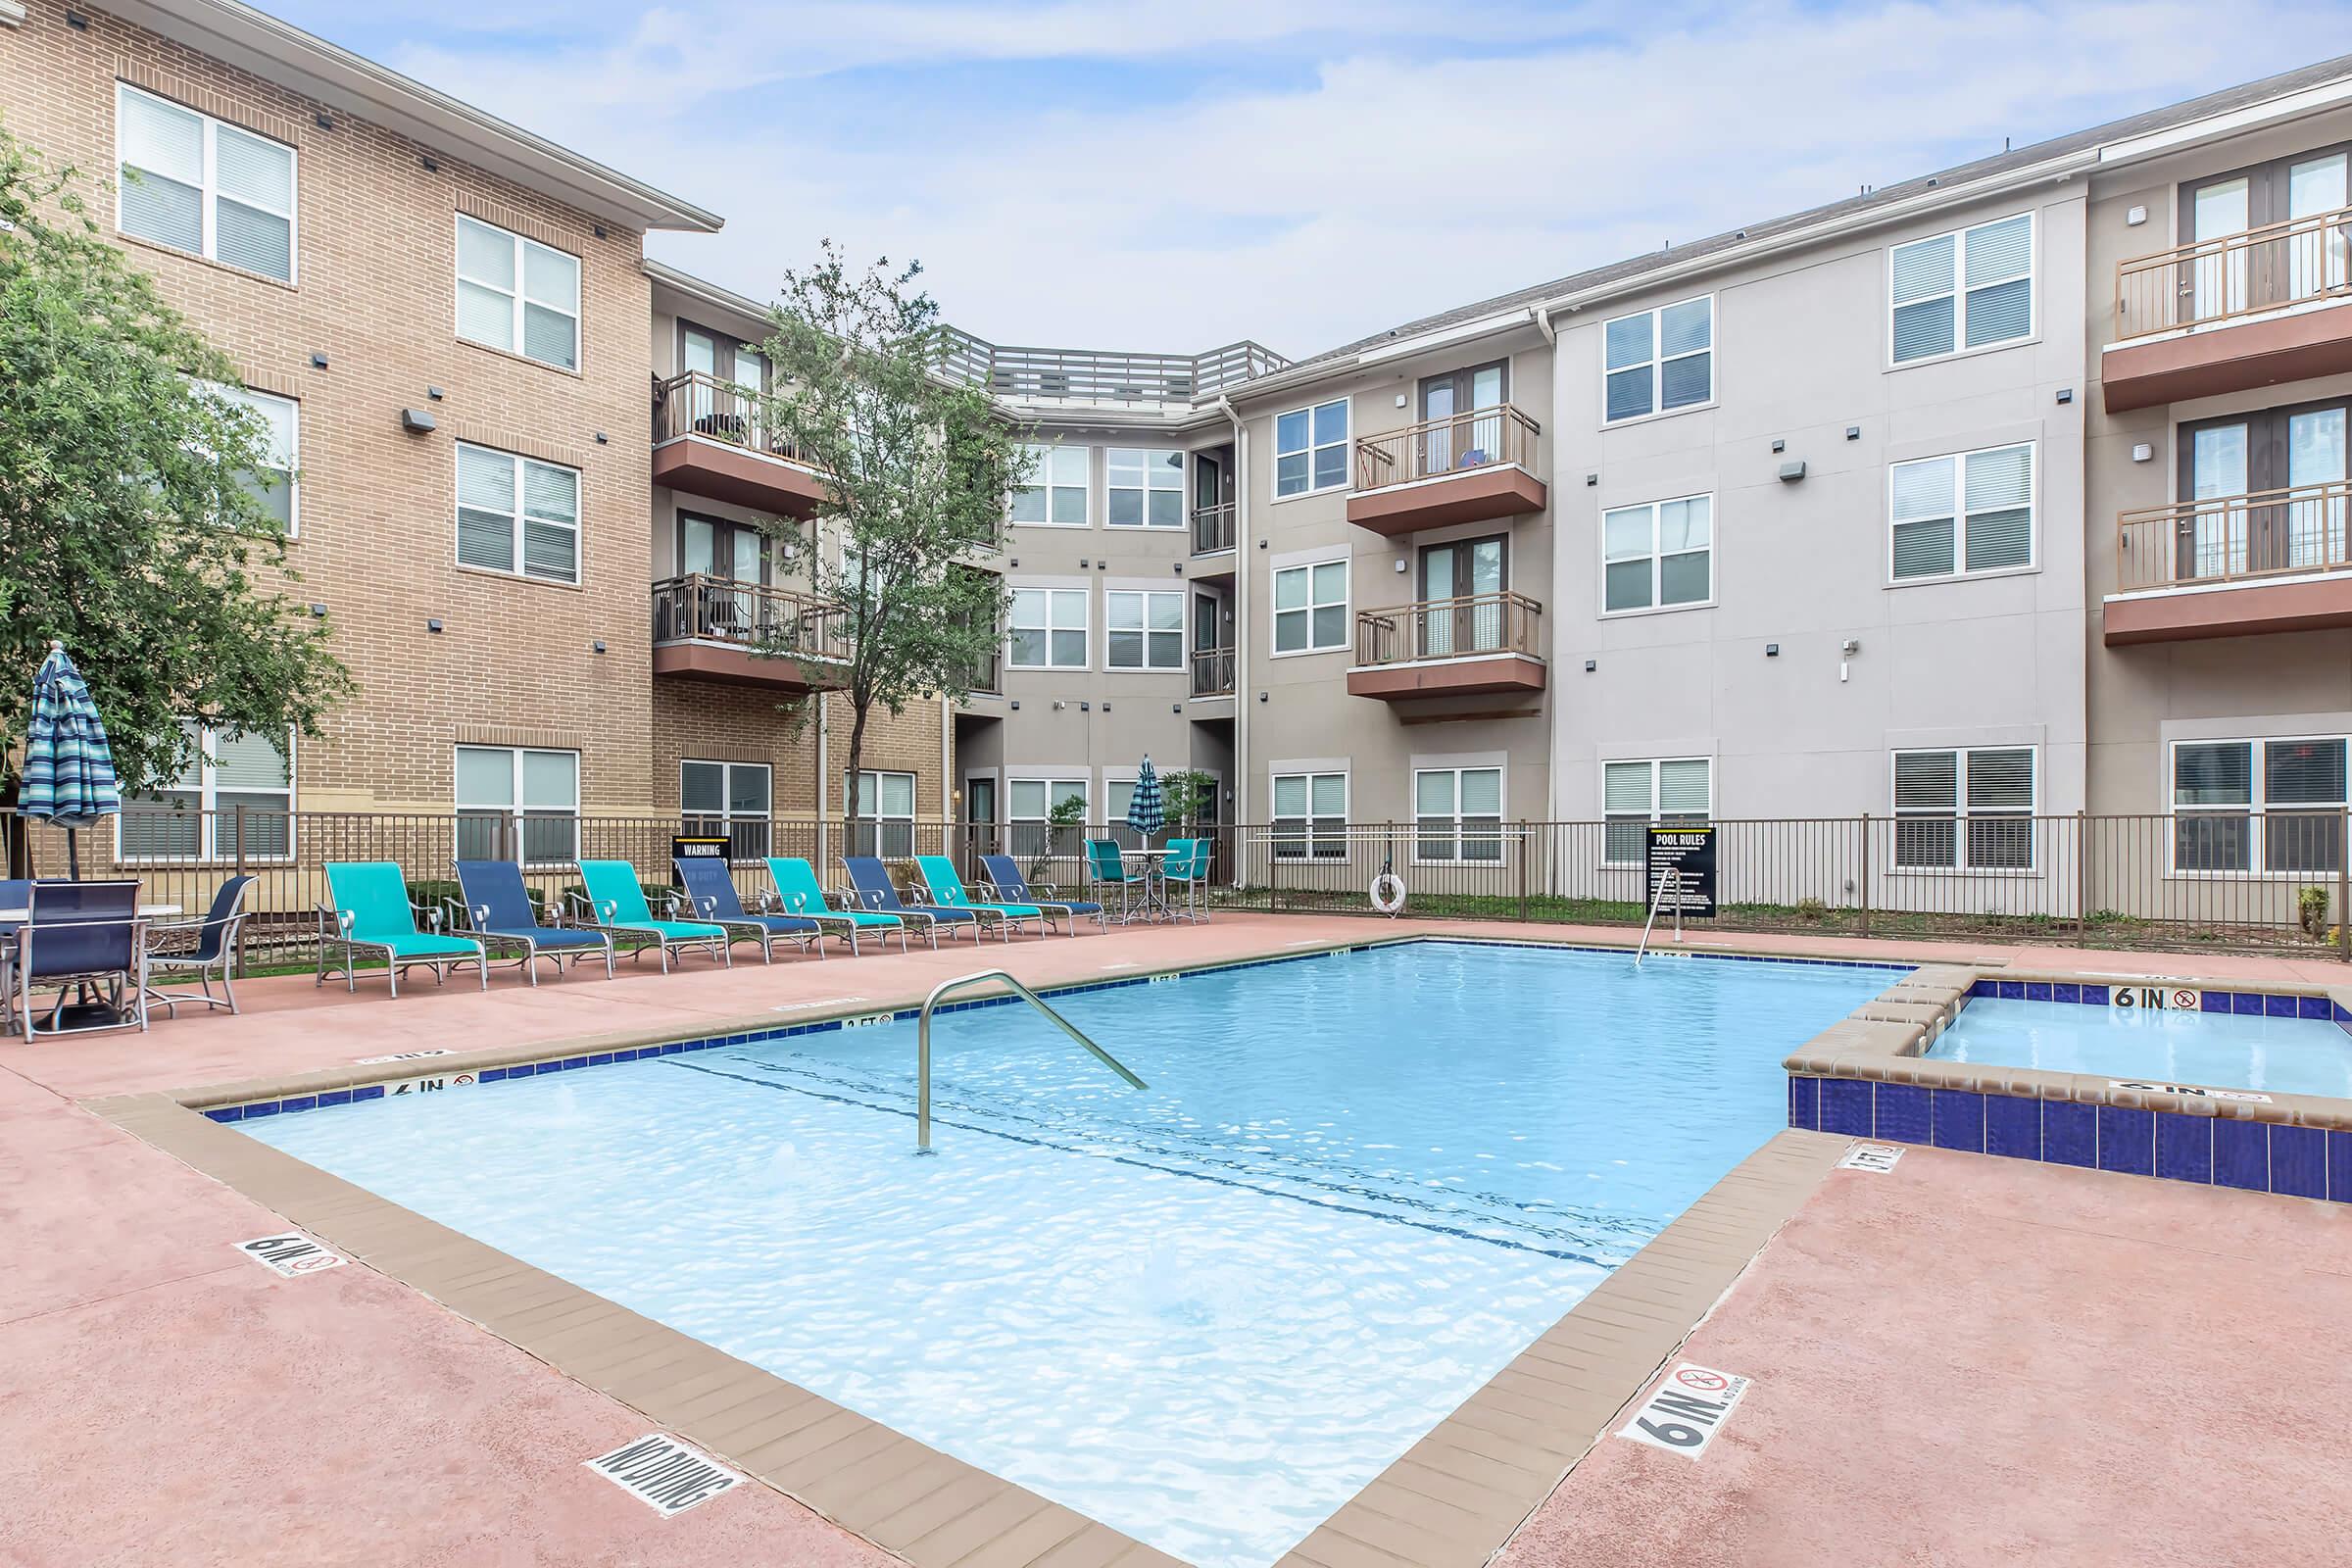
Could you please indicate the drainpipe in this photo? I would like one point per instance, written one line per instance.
(1240, 627)
(823, 858)
(1541, 315)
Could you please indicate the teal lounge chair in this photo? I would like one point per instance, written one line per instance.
(947, 891)
(371, 914)
(1107, 869)
(800, 895)
(616, 904)
(1183, 873)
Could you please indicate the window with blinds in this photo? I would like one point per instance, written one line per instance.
(518, 295)
(233, 799)
(271, 483)
(1968, 511)
(1310, 817)
(2277, 806)
(1659, 555)
(202, 185)
(518, 802)
(1029, 805)
(1655, 362)
(1673, 791)
(1964, 808)
(882, 815)
(730, 798)
(1458, 815)
(1969, 289)
(518, 514)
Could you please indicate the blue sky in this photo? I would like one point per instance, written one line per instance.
(1174, 177)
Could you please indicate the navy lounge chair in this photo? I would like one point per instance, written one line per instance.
(712, 891)
(1006, 881)
(499, 910)
(875, 892)
(211, 954)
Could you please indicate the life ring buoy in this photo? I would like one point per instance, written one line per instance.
(1388, 893)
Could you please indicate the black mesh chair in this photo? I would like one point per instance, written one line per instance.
(208, 955)
(79, 937)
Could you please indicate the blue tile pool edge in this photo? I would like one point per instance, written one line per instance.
(376, 1089)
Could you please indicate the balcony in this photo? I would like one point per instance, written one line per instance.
(983, 679)
(2233, 567)
(707, 441)
(2229, 315)
(749, 634)
(1464, 468)
(1484, 643)
(1212, 673)
(1214, 529)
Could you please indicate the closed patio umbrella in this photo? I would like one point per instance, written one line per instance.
(68, 768)
(1147, 812)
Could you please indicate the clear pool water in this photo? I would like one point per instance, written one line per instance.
(2212, 1049)
(1205, 1313)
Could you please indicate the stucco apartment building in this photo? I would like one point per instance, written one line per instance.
(1929, 505)
(450, 326)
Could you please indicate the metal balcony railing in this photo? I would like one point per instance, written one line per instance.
(2233, 538)
(700, 608)
(2238, 275)
(1212, 673)
(698, 403)
(1212, 529)
(1448, 628)
(1475, 439)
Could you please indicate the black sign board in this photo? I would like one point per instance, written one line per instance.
(698, 847)
(1691, 852)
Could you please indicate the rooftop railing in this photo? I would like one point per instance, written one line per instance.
(1093, 375)
(1448, 628)
(700, 609)
(1459, 442)
(2234, 538)
(2238, 275)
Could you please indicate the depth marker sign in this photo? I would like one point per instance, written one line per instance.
(290, 1256)
(1684, 1411)
(664, 1473)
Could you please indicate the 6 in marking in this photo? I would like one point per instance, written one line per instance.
(1684, 1411)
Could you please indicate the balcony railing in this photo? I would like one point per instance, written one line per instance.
(2234, 538)
(753, 616)
(698, 403)
(983, 676)
(1448, 628)
(1212, 673)
(1212, 529)
(2239, 274)
(1089, 375)
(1455, 444)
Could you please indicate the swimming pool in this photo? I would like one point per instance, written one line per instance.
(1207, 1313)
(2213, 1050)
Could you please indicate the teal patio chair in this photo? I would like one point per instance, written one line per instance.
(615, 902)
(947, 891)
(1183, 873)
(799, 894)
(371, 914)
(1107, 869)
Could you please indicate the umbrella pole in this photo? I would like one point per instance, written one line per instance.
(73, 856)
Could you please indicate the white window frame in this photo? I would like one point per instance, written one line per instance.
(1056, 786)
(1961, 285)
(210, 190)
(726, 817)
(1110, 597)
(1151, 470)
(516, 810)
(1454, 832)
(1963, 813)
(1312, 840)
(291, 469)
(883, 822)
(1347, 409)
(2256, 811)
(520, 295)
(1656, 559)
(1653, 814)
(1960, 514)
(1086, 602)
(520, 516)
(1042, 480)
(1345, 602)
(1657, 365)
(207, 808)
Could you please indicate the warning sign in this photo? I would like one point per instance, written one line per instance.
(1684, 1411)
(1690, 852)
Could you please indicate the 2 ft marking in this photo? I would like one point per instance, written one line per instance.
(405, 1055)
(291, 1255)
(664, 1474)
(2191, 1089)
(868, 1021)
(1684, 1411)
(1880, 1157)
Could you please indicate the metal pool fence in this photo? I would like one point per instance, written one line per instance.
(2213, 879)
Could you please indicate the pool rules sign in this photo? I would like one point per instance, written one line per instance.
(1691, 852)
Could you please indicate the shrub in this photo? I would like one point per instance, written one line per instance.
(2311, 909)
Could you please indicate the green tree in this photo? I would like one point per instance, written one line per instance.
(130, 523)
(917, 467)
(1189, 795)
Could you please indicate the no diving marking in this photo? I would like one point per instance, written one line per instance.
(664, 1474)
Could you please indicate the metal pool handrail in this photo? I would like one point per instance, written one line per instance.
(1670, 878)
(922, 1044)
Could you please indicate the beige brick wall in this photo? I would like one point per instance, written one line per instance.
(374, 294)
(717, 722)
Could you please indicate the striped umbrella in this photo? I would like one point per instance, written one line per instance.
(68, 768)
(1147, 812)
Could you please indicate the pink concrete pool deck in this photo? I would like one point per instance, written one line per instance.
(1965, 1359)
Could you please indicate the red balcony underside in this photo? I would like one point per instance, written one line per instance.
(738, 666)
(2240, 610)
(726, 473)
(1473, 494)
(2235, 356)
(1456, 677)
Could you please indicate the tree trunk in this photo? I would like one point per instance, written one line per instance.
(857, 806)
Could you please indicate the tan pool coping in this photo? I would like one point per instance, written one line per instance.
(1455, 1497)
